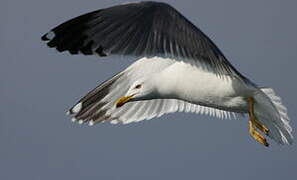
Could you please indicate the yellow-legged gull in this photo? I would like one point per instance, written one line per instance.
(178, 69)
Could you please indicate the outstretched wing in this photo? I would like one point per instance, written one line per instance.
(99, 104)
(141, 29)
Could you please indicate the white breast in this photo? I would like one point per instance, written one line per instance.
(187, 82)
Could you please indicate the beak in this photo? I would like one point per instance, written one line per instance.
(123, 100)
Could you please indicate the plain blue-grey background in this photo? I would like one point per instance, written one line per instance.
(38, 85)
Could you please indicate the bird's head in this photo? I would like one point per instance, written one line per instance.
(142, 89)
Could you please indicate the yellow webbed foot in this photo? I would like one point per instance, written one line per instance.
(254, 123)
(256, 135)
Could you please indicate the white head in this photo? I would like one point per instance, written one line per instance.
(142, 89)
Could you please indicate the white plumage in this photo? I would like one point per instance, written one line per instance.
(179, 69)
(136, 111)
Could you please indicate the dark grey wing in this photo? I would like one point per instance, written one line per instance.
(139, 29)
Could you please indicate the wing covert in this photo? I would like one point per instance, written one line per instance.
(143, 29)
(99, 104)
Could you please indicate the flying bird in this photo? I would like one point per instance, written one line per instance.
(178, 69)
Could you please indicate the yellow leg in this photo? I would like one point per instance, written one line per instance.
(254, 120)
(254, 123)
(260, 126)
(256, 135)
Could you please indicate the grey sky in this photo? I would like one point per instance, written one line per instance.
(38, 85)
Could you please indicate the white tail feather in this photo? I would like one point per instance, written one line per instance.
(270, 111)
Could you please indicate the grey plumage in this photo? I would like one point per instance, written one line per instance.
(99, 104)
(160, 36)
(139, 29)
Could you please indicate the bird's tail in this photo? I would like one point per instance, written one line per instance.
(270, 111)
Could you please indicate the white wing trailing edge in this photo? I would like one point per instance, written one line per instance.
(99, 104)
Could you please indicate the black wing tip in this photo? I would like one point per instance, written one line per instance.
(91, 108)
(62, 45)
(100, 51)
(70, 36)
(48, 36)
(44, 38)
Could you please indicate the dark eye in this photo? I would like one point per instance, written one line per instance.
(138, 86)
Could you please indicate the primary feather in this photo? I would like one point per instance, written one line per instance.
(101, 100)
(190, 73)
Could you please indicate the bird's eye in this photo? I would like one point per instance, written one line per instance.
(138, 86)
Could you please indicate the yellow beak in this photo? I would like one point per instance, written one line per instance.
(123, 100)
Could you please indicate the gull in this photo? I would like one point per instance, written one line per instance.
(178, 69)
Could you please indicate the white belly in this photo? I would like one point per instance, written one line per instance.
(189, 83)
